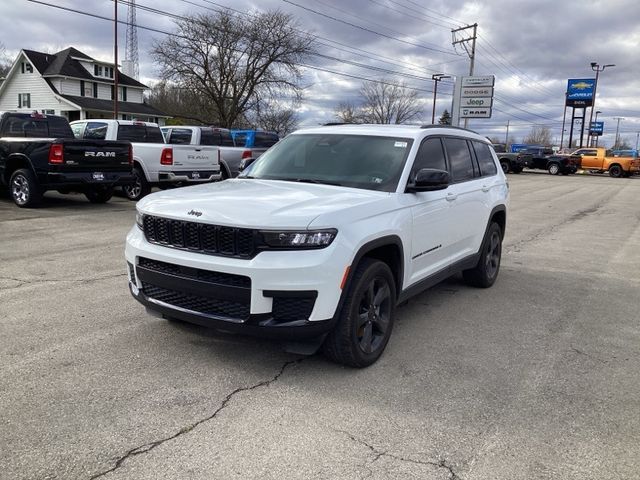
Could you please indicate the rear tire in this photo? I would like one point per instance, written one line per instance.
(99, 194)
(486, 271)
(139, 188)
(506, 167)
(366, 318)
(615, 171)
(24, 188)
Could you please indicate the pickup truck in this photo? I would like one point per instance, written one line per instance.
(510, 162)
(155, 162)
(230, 155)
(39, 153)
(599, 160)
(543, 158)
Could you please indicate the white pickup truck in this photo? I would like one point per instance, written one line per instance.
(230, 155)
(155, 162)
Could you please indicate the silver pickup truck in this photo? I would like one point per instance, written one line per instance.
(230, 155)
(155, 163)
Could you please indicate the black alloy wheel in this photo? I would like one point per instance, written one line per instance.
(485, 273)
(615, 171)
(366, 319)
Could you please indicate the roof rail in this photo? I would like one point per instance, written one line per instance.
(333, 124)
(449, 126)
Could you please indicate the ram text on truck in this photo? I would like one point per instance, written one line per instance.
(155, 162)
(39, 153)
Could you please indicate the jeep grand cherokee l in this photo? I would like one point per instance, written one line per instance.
(324, 235)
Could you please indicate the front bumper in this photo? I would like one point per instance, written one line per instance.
(284, 294)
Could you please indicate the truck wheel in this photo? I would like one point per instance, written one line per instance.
(24, 188)
(615, 171)
(554, 168)
(506, 168)
(139, 188)
(99, 194)
(484, 274)
(366, 318)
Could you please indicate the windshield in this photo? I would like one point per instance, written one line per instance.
(359, 161)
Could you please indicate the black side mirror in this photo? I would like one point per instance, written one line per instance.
(429, 180)
(245, 163)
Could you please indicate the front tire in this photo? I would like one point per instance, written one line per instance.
(366, 319)
(553, 168)
(506, 168)
(484, 274)
(139, 188)
(99, 194)
(24, 188)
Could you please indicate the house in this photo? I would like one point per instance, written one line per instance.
(74, 85)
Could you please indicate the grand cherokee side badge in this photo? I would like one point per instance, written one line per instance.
(194, 212)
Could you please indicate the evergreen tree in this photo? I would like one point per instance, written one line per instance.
(445, 119)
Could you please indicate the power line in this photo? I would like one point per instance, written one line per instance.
(423, 16)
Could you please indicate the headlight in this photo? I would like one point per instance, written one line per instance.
(304, 239)
(140, 220)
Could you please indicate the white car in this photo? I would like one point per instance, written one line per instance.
(324, 235)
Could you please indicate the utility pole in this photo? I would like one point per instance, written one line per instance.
(564, 118)
(115, 61)
(506, 137)
(637, 138)
(436, 77)
(615, 145)
(470, 51)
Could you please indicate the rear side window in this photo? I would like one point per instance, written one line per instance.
(485, 159)
(95, 131)
(28, 126)
(459, 159)
(59, 127)
(180, 136)
(140, 133)
(430, 155)
(265, 140)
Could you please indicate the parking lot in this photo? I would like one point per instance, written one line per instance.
(537, 377)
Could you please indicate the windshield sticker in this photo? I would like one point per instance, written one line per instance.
(400, 144)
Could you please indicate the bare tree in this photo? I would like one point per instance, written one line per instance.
(5, 61)
(539, 135)
(275, 118)
(185, 106)
(232, 64)
(348, 112)
(389, 103)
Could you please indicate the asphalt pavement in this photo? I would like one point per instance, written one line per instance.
(535, 378)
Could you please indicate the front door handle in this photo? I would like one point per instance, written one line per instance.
(486, 188)
(451, 197)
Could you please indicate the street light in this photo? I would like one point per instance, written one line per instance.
(596, 68)
(596, 121)
(615, 146)
(436, 77)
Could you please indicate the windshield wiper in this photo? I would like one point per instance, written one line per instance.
(311, 180)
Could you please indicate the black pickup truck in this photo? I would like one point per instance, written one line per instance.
(39, 153)
(543, 158)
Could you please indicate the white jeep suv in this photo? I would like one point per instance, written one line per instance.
(324, 235)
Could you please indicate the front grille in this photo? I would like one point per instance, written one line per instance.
(219, 278)
(201, 237)
(289, 309)
(208, 306)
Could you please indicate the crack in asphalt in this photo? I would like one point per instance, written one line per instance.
(23, 282)
(383, 453)
(147, 447)
(589, 355)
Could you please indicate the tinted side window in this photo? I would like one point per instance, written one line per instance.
(96, 131)
(459, 159)
(227, 139)
(132, 133)
(154, 135)
(209, 137)
(485, 159)
(180, 136)
(263, 139)
(59, 127)
(430, 155)
(241, 139)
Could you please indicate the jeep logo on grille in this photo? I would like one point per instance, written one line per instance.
(99, 154)
(194, 212)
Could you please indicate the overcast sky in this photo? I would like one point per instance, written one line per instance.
(532, 47)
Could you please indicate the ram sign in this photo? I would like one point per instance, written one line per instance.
(580, 92)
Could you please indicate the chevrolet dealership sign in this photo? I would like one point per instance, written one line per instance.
(580, 92)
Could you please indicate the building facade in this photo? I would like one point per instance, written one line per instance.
(74, 85)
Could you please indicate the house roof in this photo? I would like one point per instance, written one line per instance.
(89, 103)
(64, 63)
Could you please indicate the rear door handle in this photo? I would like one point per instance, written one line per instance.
(451, 197)
(486, 188)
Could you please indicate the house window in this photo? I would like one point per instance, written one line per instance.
(110, 72)
(48, 112)
(82, 88)
(97, 70)
(88, 90)
(24, 100)
(112, 92)
(122, 94)
(25, 67)
(95, 90)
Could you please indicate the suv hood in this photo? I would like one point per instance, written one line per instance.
(256, 203)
